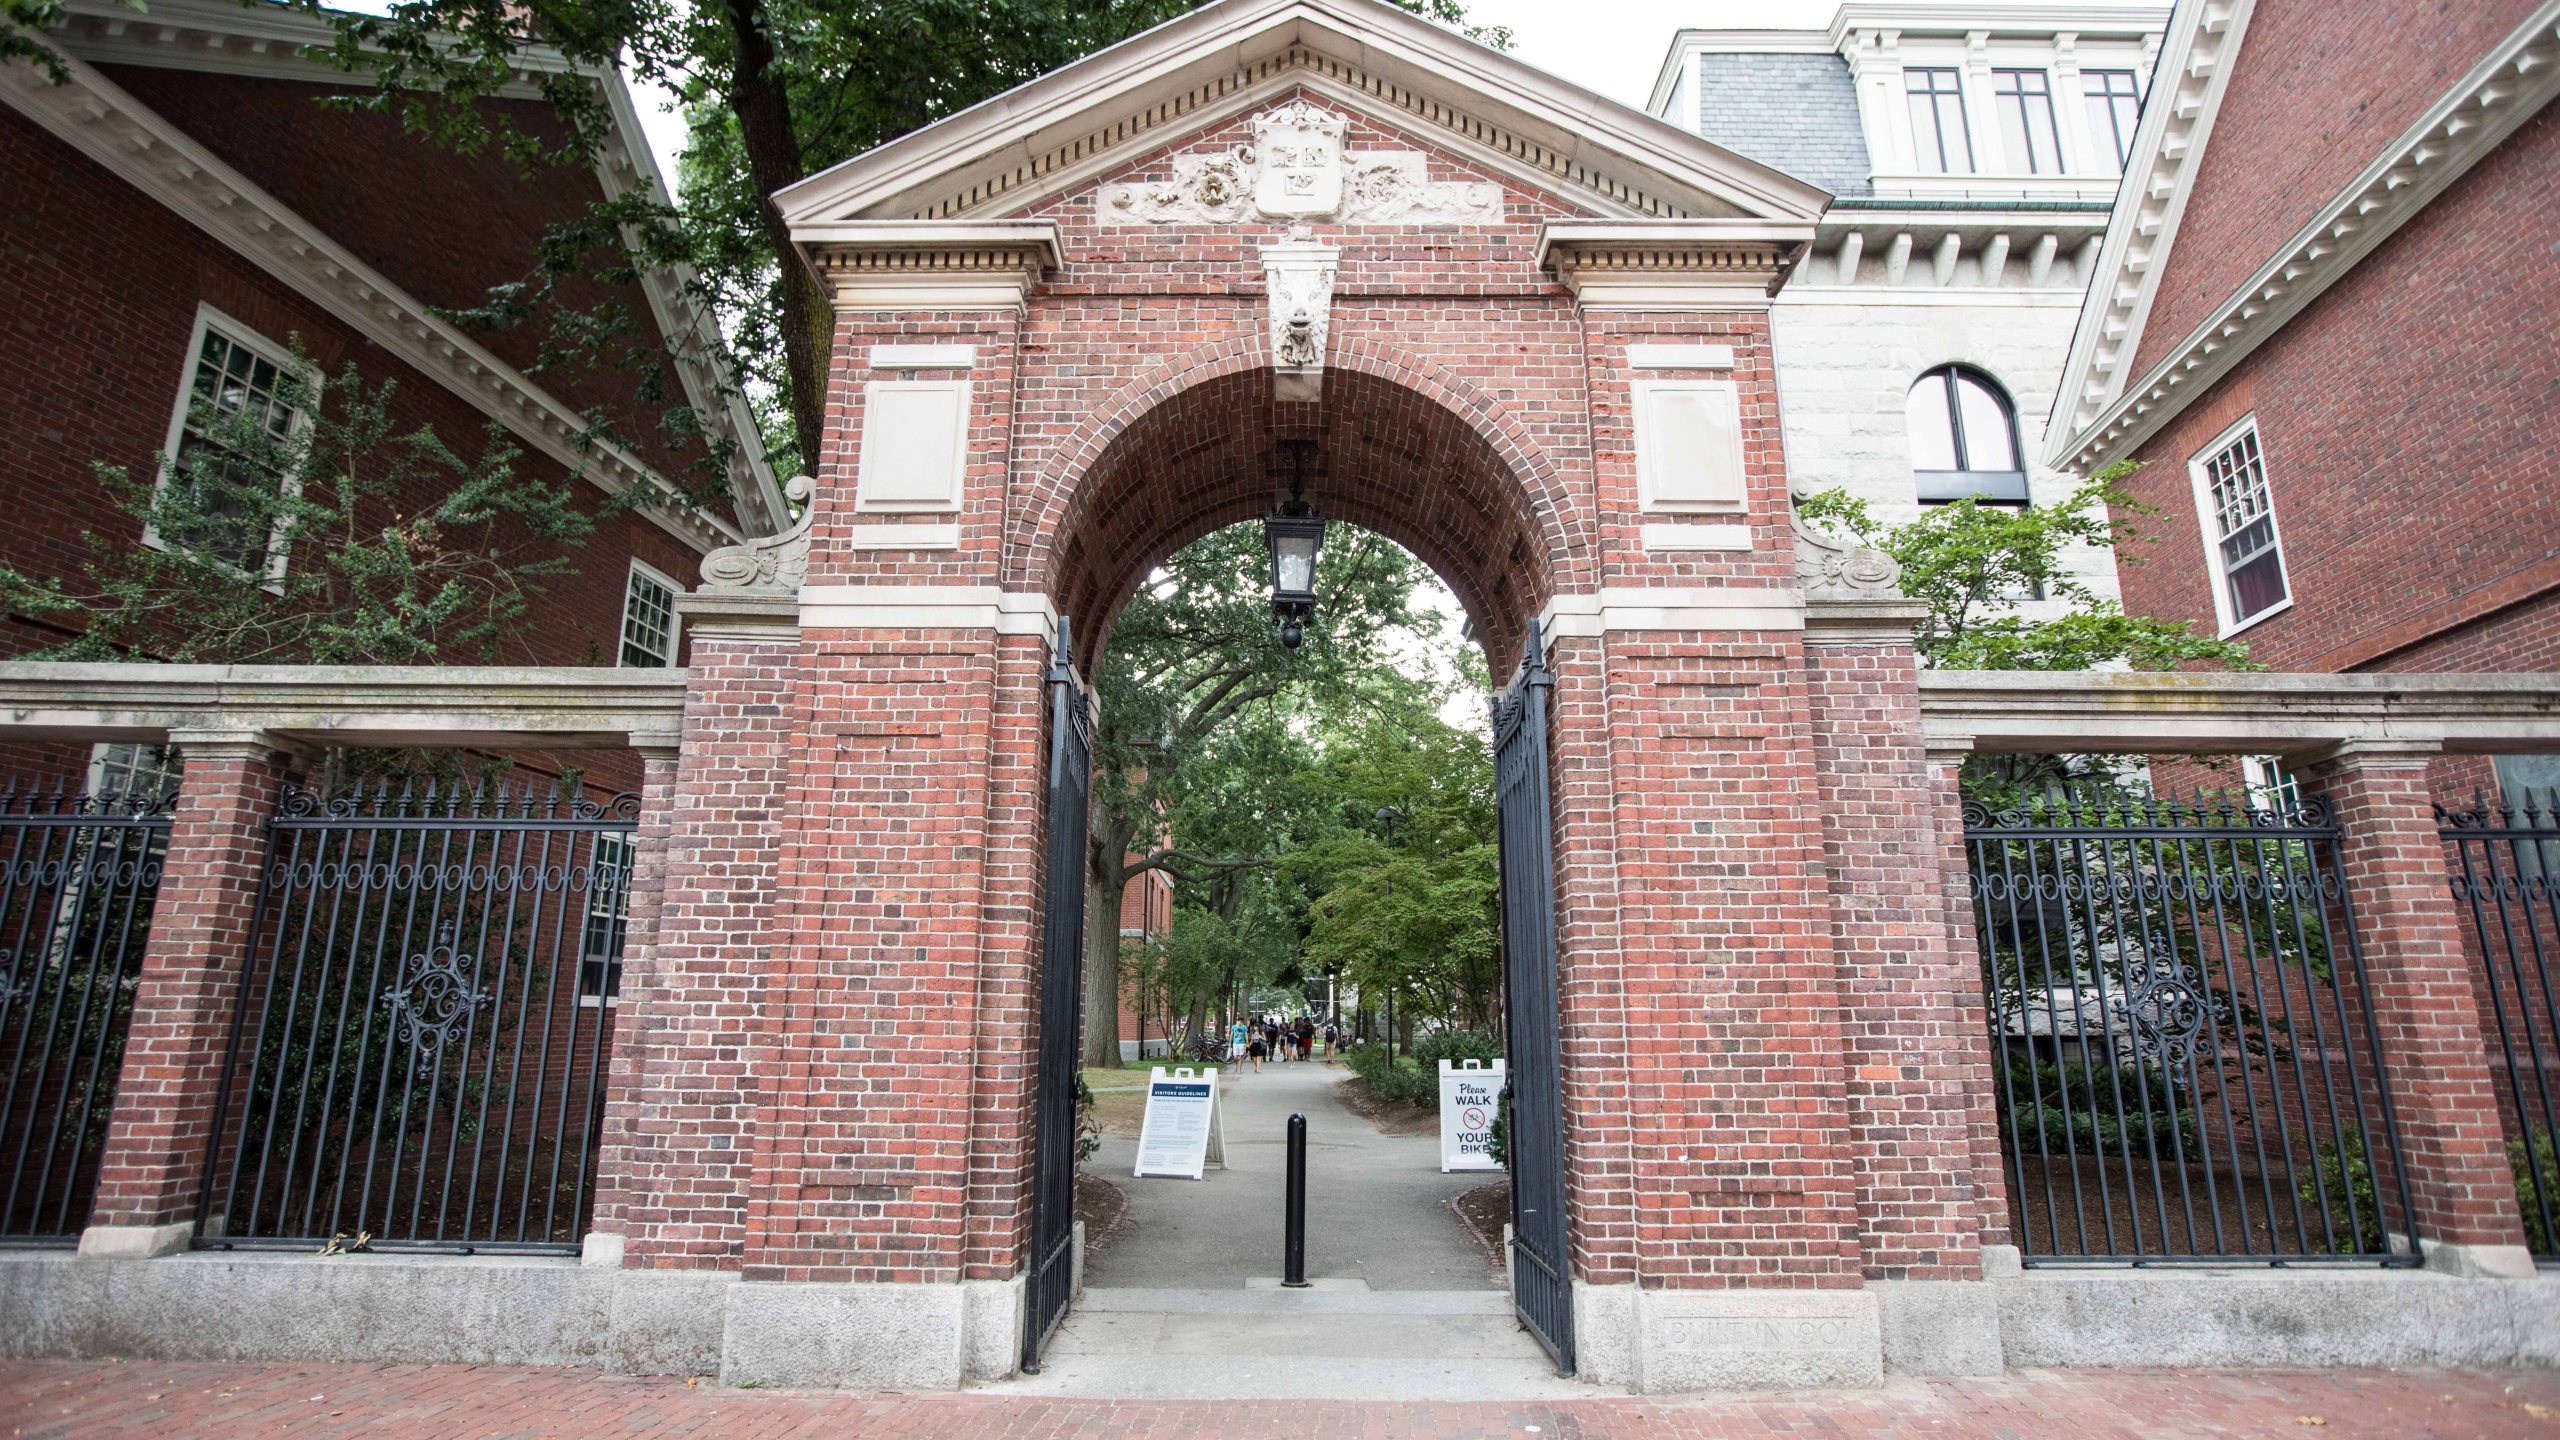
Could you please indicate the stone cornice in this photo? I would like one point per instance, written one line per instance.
(1065, 129)
(99, 119)
(929, 265)
(2240, 712)
(2505, 89)
(2103, 22)
(561, 706)
(1714, 264)
(272, 42)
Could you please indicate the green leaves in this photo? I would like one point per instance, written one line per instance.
(1971, 564)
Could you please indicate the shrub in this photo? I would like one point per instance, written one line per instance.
(1399, 1079)
(1455, 1046)
(2080, 1111)
(2537, 1166)
(2347, 1176)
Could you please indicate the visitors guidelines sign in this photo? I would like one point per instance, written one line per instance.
(1182, 1135)
(1469, 1093)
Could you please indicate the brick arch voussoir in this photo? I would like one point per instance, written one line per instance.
(1568, 534)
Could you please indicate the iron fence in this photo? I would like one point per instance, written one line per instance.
(2183, 1039)
(2500, 859)
(419, 1053)
(78, 874)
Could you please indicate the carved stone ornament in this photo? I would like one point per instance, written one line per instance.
(1300, 276)
(769, 564)
(1832, 570)
(1296, 170)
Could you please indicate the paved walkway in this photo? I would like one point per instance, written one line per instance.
(43, 1400)
(1377, 1205)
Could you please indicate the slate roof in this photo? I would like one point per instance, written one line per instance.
(1798, 113)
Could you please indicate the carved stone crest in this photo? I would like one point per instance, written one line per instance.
(1833, 570)
(1300, 152)
(1297, 169)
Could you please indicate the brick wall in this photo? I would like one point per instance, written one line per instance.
(2402, 415)
(2306, 109)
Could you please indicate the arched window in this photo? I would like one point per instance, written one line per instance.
(1964, 438)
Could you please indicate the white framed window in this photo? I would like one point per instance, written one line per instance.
(2272, 785)
(2243, 550)
(2024, 100)
(608, 916)
(1940, 141)
(117, 769)
(649, 622)
(233, 369)
(1964, 439)
(2115, 107)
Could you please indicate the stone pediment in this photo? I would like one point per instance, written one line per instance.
(1255, 59)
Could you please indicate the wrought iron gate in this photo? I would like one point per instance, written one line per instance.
(2182, 1033)
(419, 1053)
(1541, 1275)
(1053, 1175)
(78, 873)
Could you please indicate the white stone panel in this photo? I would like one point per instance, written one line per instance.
(1688, 444)
(915, 438)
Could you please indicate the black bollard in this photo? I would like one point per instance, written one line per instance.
(1293, 1262)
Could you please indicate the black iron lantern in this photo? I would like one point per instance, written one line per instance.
(1295, 532)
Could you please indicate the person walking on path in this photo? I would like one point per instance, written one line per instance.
(1254, 1050)
(1235, 1039)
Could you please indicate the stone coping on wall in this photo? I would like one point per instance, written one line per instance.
(2236, 712)
(564, 707)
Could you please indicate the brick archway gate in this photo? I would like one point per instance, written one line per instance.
(1204, 452)
(1529, 332)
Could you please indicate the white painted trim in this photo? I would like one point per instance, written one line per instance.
(2202, 489)
(248, 337)
(675, 618)
(1705, 607)
(1659, 539)
(1680, 357)
(903, 537)
(1878, 297)
(103, 122)
(2178, 111)
(2506, 88)
(1220, 50)
(923, 357)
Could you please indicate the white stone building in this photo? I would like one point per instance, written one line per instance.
(1974, 152)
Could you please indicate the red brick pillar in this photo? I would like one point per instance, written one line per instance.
(1981, 1077)
(647, 898)
(2425, 1011)
(1907, 1044)
(160, 1134)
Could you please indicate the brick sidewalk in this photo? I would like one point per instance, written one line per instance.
(208, 1402)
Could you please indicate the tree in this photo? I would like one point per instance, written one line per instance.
(1971, 563)
(1194, 668)
(1411, 909)
(773, 90)
(290, 534)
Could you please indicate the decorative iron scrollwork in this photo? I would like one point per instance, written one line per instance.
(2166, 1015)
(438, 990)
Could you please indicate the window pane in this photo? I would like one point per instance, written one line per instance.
(1939, 140)
(648, 622)
(2257, 587)
(1933, 436)
(1986, 427)
(2114, 106)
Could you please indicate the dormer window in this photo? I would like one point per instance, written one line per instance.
(1939, 140)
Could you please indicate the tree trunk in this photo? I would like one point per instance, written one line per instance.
(1102, 972)
(772, 144)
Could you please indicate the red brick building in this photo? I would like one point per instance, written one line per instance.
(185, 206)
(2320, 325)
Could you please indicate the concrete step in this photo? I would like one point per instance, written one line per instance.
(1253, 1344)
(1328, 1298)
